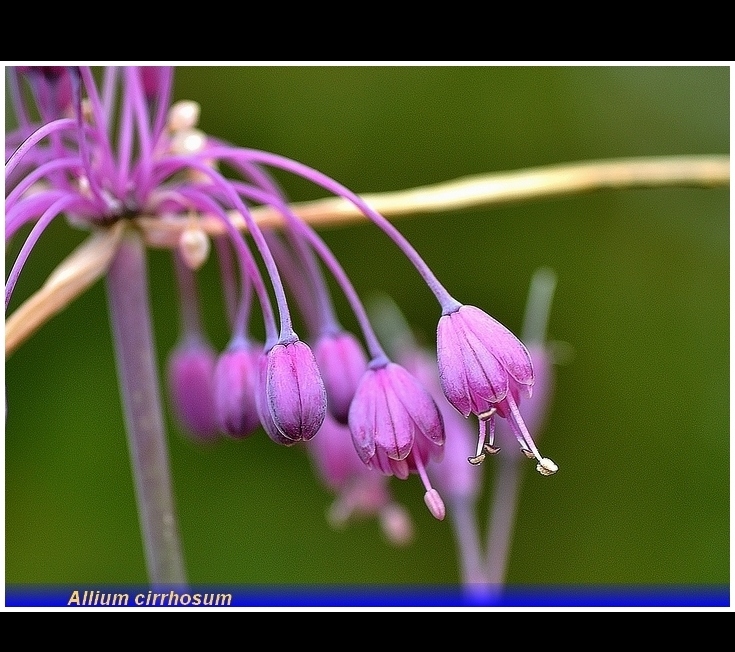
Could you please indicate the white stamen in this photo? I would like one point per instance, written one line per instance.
(484, 416)
(485, 439)
(546, 466)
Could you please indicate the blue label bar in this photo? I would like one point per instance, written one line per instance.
(361, 596)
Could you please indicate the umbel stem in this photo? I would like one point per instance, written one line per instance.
(127, 290)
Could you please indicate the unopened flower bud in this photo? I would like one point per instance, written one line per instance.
(235, 383)
(294, 391)
(188, 141)
(194, 246)
(190, 373)
(342, 362)
(183, 115)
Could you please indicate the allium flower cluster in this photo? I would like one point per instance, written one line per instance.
(107, 149)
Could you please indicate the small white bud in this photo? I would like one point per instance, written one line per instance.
(546, 466)
(188, 141)
(183, 115)
(87, 110)
(194, 247)
(83, 186)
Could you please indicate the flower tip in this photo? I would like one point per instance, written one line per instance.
(546, 466)
(435, 504)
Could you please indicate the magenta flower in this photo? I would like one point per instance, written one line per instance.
(396, 426)
(390, 410)
(485, 370)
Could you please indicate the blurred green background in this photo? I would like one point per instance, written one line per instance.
(640, 423)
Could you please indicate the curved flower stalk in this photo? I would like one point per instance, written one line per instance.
(191, 364)
(117, 153)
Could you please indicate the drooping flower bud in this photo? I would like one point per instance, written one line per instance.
(190, 376)
(235, 383)
(291, 393)
(342, 362)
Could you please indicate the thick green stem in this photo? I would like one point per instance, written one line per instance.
(127, 290)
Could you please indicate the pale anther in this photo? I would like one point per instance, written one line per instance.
(546, 466)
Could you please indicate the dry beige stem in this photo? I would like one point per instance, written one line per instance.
(91, 260)
(77, 272)
(481, 190)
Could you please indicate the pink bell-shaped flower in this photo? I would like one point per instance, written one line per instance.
(485, 370)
